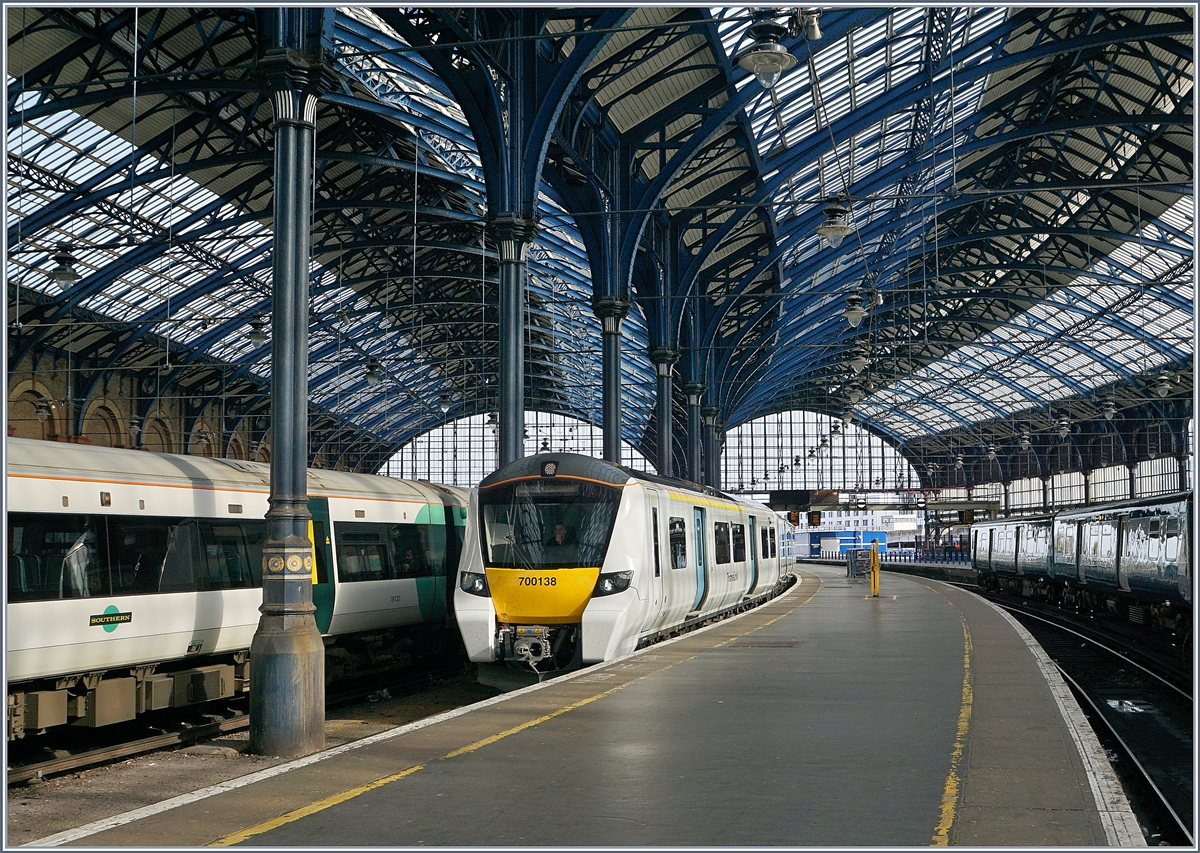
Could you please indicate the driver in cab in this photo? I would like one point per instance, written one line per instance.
(561, 546)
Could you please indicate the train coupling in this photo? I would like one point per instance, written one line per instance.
(531, 643)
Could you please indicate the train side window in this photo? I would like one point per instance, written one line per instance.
(1171, 546)
(766, 543)
(137, 550)
(362, 552)
(721, 537)
(185, 558)
(678, 534)
(228, 563)
(739, 543)
(654, 528)
(774, 544)
(410, 551)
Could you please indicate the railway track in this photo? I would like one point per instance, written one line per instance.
(26, 764)
(1140, 707)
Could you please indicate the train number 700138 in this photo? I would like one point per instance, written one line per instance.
(550, 581)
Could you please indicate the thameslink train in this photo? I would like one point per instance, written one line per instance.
(134, 578)
(570, 560)
(1131, 558)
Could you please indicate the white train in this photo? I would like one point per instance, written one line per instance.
(571, 560)
(134, 578)
(1130, 558)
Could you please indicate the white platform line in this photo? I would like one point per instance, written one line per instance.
(1120, 826)
(69, 835)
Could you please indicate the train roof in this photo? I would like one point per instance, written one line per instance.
(31, 457)
(578, 465)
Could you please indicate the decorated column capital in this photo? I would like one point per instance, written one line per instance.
(694, 391)
(611, 312)
(513, 236)
(664, 360)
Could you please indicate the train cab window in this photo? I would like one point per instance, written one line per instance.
(362, 552)
(548, 523)
(678, 534)
(721, 537)
(739, 543)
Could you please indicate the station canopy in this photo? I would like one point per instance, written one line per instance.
(1013, 192)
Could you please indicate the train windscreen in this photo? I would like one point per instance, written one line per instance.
(547, 523)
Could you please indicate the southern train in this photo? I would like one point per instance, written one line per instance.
(134, 578)
(570, 560)
(1132, 559)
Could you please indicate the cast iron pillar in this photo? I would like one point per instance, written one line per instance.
(512, 237)
(712, 447)
(694, 391)
(664, 362)
(287, 684)
(611, 312)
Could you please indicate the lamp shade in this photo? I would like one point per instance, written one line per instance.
(766, 58)
(836, 225)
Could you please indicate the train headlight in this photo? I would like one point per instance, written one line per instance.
(474, 583)
(612, 582)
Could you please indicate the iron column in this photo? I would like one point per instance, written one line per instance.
(513, 237)
(611, 312)
(694, 390)
(664, 360)
(287, 685)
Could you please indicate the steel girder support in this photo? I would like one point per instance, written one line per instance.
(914, 90)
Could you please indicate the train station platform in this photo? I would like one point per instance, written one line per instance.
(824, 718)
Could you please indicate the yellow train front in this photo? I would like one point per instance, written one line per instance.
(570, 560)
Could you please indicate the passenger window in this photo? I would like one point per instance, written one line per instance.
(137, 550)
(410, 550)
(766, 543)
(362, 552)
(721, 536)
(228, 565)
(774, 550)
(739, 543)
(678, 543)
(185, 558)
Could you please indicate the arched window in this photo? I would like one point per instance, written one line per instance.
(102, 428)
(464, 451)
(806, 450)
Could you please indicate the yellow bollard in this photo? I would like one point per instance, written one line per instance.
(875, 569)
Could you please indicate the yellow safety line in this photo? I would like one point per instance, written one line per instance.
(941, 835)
(311, 808)
(321, 805)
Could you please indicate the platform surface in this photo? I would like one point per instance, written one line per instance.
(825, 718)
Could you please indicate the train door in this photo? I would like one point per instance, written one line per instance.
(701, 567)
(655, 593)
(991, 545)
(1124, 565)
(753, 543)
(322, 589)
(1079, 575)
